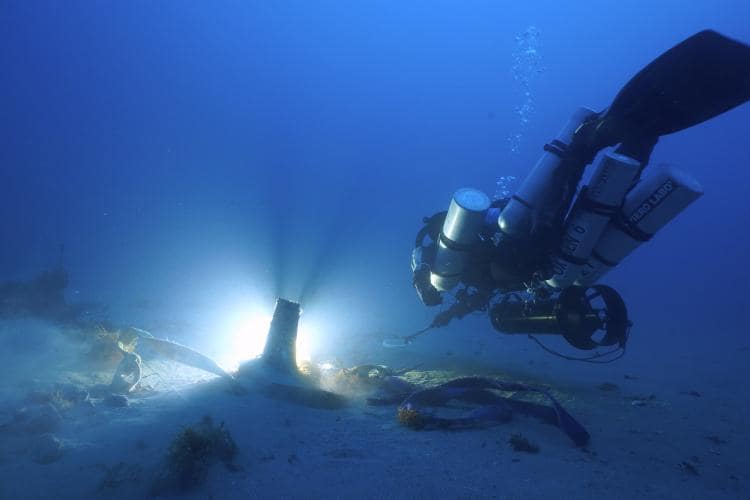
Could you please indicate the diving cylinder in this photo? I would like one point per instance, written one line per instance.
(594, 208)
(648, 207)
(460, 233)
(528, 202)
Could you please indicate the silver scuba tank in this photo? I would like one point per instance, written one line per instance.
(595, 206)
(460, 232)
(531, 199)
(648, 207)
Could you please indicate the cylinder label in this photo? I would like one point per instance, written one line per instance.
(652, 201)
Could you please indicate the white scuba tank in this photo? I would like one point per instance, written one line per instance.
(461, 229)
(648, 207)
(595, 206)
(517, 218)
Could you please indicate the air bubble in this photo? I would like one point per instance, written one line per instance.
(527, 66)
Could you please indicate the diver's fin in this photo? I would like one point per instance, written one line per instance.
(698, 79)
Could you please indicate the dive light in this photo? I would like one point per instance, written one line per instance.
(459, 235)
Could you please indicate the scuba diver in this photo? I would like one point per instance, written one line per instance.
(532, 261)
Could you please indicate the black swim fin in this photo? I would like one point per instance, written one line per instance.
(696, 80)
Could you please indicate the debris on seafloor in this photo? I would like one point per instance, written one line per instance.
(693, 393)
(716, 439)
(109, 347)
(123, 350)
(520, 443)
(640, 399)
(129, 345)
(368, 379)
(46, 449)
(41, 297)
(192, 452)
(408, 416)
(30, 420)
(420, 407)
(38, 419)
(119, 475)
(688, 467)
(116, 401)
(276, 374)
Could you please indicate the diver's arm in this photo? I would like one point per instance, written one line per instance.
(466, 303)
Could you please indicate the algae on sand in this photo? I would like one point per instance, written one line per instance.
(192, 452)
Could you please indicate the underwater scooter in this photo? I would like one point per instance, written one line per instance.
(533, 261)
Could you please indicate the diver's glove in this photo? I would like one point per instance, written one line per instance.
(466, 303)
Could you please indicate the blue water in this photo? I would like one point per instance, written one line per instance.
(186, 151)
(197, 160)
(205, 156)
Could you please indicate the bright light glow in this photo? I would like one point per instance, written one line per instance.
(304, 342)
(246, 338)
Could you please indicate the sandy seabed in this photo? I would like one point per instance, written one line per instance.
(661, 428)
